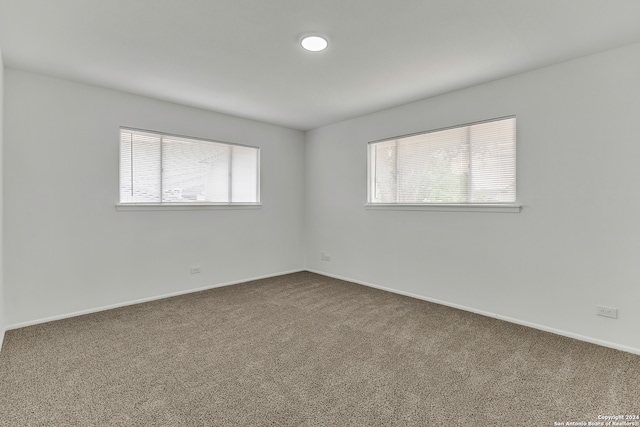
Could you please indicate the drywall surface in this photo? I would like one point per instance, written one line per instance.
(67, 248)
(576, 242)
(2, 306)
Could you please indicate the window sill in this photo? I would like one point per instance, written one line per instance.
(184, 206)
(497, 208)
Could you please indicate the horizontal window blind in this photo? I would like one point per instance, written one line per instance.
(470, 164)
(158, 168)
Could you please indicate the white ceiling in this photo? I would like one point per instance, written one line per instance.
(242, 57)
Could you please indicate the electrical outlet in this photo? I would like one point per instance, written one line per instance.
(607, 311)
(195, 270)
(325, 257)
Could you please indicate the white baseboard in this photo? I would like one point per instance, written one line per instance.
(579, 337)
(139, 301)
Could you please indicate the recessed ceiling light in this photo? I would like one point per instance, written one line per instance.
(314, 43)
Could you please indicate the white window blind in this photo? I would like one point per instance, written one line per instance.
(469, 164)
(157, 168)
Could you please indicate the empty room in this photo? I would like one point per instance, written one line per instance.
(329, 213)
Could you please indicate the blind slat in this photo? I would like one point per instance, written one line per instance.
(466, 164)
(157, 168)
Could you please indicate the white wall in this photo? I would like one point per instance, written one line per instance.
(575, 244)
(66, 247)
(2, 309)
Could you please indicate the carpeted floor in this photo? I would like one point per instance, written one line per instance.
(305, 350)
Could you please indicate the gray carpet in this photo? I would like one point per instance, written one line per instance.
(305, 350)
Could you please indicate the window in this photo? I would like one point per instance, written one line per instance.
(464, 165)
(166, 169)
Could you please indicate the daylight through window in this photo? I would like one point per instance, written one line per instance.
(165, 169)
(470, 164)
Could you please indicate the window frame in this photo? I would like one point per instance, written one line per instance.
(172, 206)
(497, 207)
